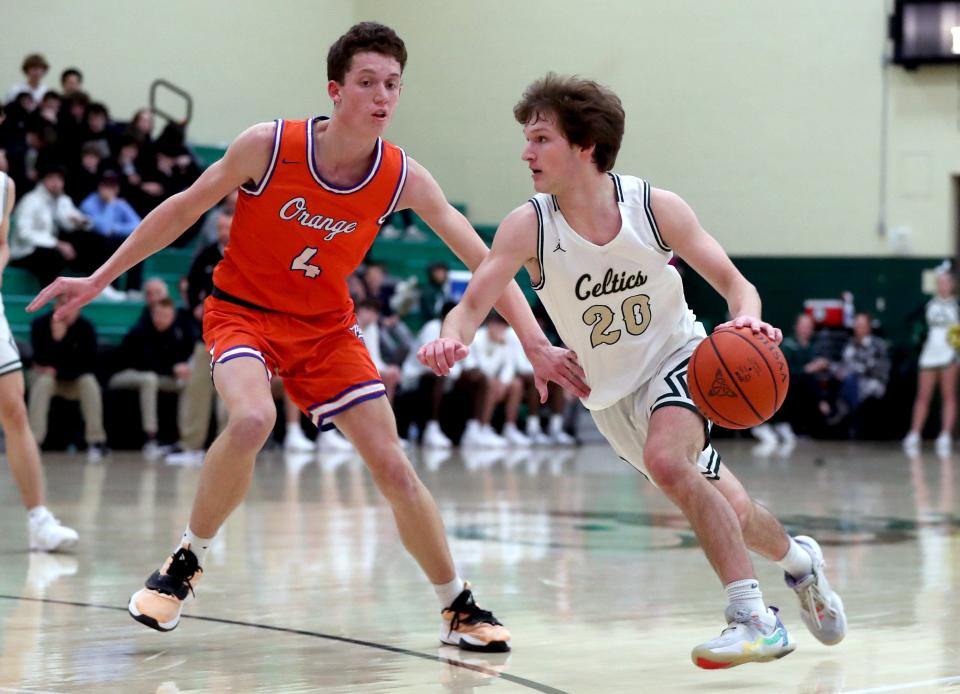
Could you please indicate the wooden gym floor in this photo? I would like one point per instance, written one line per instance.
(600, 580)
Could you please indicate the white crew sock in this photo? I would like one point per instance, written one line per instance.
(745, 594)
(797, 561)
(37, 513)
(198, 545)
(448, 592)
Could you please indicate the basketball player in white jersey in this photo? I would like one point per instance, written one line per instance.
(46, 534)
(596, 246)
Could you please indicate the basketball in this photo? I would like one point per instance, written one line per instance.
(738, 378)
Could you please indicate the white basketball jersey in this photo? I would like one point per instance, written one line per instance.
(619, 306)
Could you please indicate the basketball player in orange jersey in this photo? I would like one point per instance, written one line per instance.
(597, 247)
(313, 196)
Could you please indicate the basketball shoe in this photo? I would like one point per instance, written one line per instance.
(158, 603)
(747, 639)
(48, 535)
(820, 607)
(465, 625)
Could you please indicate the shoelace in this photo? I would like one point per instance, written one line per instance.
(183, 569)
(745, 618)
(472, 613)
(812, 595)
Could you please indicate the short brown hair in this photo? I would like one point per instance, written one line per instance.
(34, 60)
(587, 113)
(365, 36)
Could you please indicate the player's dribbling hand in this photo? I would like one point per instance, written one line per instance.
(441, 354)
(77, 292)
(561, 366)
(756, 325)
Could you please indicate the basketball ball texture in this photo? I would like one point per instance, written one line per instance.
(738, 378)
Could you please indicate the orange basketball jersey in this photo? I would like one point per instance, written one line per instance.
(295, 238)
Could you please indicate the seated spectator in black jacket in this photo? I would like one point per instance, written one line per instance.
(71, 81)
(64, 359)
(72, 126)
(85, 177)
(49, 108)
(154, 357)
(99, 129)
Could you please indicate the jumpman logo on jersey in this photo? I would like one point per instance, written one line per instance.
(720, 387)
(559, 247)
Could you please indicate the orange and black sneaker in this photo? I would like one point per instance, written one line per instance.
(158, 603)
(472, 629)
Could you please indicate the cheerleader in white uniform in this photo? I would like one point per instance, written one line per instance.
(938, 364)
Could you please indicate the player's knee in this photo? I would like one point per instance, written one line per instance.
(13, 412)
(250, 425)
(395, 476)
(667, 469)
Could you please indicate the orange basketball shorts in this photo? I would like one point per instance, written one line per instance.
(325, 366)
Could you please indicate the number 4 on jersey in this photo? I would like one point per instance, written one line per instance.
(302, 263)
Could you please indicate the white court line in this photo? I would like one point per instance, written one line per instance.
(26, 691)
(907, 685)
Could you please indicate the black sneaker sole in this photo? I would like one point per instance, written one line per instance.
(148, 621)
(492, 647)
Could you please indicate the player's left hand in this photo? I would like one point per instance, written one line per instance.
(561, 366)
(756, 325)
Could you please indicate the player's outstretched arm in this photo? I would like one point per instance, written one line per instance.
(681, 230)
(514, 245)
(245, 160)
(423, 195)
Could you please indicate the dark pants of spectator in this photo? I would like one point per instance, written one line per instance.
(46, 264)
(800, 406)
(94, 249)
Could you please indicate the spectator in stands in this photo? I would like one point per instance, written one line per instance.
(49, 108)
(141, 130)
(556, 401)
(395, 337)
(863, 372)
(72, 127)
(174, 170)
(193, 416)
(34, 69)
(85, 178)
(400, 224)
(429, 388)
(113, 219)
(800, 407)
(209, 233)
(71, 81)
(154, 357)
(38, 152)
(99, 129)
(435, 292)
(41, 214)
(64, 359)
(937, 365)
(368, 318)
(491, 355)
